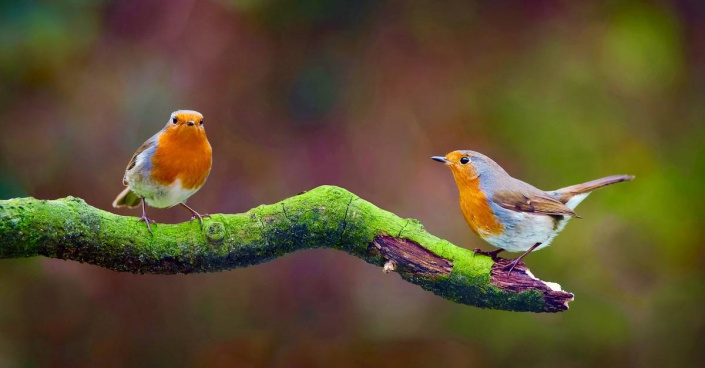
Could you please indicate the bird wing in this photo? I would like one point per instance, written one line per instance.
(532, 203)
(145, 146)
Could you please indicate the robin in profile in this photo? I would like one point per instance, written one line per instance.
(509, 213)
(169, 167)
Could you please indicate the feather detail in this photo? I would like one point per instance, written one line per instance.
(533, 203)
(565, 194)
(145, 146)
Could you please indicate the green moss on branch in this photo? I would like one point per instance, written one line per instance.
(327, 216)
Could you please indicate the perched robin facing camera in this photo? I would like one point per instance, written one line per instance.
(509, 213)
(169, 167)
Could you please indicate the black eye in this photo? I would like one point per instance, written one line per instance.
(464, 160)
(201, 122)
(174, 120)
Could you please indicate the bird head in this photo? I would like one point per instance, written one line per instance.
(186, 122)
(460, 163)
(469, 165)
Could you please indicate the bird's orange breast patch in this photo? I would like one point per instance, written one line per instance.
(475, 208)
(182, 153)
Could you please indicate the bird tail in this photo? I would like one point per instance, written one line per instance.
(580, 191)
(127, 198)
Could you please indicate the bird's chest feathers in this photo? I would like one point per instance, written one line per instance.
(186, 157)
(476, 209)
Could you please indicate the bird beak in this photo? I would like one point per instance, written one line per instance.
(191, 123)
(440, 159)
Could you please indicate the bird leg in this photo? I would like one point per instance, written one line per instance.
(493, 254)
(515, 262)
(195, 214)
(146, 219)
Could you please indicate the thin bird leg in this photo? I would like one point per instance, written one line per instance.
(493, 254)
(518, 259)
(195, 214)
(146, 219)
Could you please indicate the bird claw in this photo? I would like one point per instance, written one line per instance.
(147, 221)
(517, 260)
(511, 265)
(200, 217)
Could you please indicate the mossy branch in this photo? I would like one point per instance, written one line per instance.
(327, 216)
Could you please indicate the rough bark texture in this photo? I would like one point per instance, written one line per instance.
(327, 216)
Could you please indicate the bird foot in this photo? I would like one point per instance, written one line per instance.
(200, 217)
(147, 221)
(493, 254)
(511, 265)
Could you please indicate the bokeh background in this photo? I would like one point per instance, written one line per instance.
(300, 93)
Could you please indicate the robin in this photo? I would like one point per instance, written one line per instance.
(169, 167)
(508, 213)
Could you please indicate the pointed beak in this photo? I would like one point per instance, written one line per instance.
(191, 123)
(440, 159)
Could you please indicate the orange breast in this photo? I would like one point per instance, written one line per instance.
(476, 209)
(183, 154)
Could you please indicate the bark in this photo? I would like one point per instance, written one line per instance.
(325, 217)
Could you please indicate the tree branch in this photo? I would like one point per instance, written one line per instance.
(327, 216)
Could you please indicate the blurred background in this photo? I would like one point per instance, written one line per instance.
(301, 93)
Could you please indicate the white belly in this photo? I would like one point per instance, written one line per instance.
(162, 196)
(522, 230)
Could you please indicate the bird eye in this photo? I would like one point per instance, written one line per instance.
(174, 120)
(464, 160)
(201, 122)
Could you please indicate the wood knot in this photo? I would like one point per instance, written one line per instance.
(407, 256)
(215, 232)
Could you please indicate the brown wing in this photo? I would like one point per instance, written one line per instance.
(533, 203)
(146, 145)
